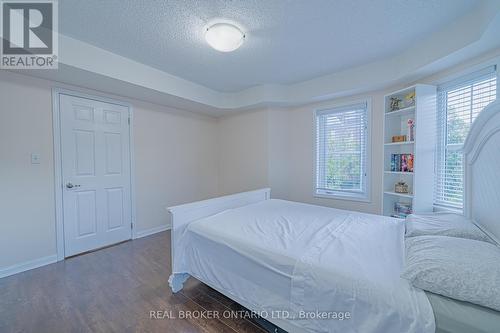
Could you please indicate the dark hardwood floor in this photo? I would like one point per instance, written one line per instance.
(113, 290)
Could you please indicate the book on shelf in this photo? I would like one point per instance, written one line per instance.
(410, 162)
(402, 162)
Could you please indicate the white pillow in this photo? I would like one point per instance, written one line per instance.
(444, 224)
(463, 269)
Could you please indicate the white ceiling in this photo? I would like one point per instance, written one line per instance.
(287, 41)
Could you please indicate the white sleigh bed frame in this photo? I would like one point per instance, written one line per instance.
(482, 197)
(482, 171)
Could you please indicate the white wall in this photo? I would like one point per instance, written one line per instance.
(275, 147)
(242, 150)
(253, 150)
(27, 225)
(175, 158)
(279, 152)
(286, 151)
(175, 161)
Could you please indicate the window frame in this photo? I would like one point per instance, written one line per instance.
(453, 80)
(364, 196)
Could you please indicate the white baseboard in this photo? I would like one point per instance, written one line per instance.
(152, 231)
(27, 265)
(32, 264)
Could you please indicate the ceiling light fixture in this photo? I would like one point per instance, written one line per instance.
(224, 37)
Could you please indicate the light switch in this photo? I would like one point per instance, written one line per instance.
(35, 158)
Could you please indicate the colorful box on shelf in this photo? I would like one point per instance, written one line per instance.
(402, 209)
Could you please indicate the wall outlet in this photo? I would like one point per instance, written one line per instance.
(35, 158)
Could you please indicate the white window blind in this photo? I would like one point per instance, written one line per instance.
(459, 103)
(341, 155)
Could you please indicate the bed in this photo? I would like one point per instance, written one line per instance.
(307, 268)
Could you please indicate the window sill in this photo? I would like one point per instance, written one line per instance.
(346, 197)
(439, 208)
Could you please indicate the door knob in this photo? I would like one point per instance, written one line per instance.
(70, 185)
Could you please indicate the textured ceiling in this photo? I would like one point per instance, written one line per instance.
(287, 41)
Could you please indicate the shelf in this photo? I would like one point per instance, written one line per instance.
(403, 195)
(399, 173)
(423, 111)
(401, 112)
(399, 143)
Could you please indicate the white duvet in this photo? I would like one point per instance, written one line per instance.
(338, 262)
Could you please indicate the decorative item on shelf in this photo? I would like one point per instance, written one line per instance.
(399, 138)
(395, 104)
(411, 129)
(402, 209)
(401, 187)
(410, 99)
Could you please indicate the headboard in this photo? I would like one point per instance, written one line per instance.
(482, 171)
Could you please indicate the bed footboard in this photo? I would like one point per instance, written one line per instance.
(182, 215)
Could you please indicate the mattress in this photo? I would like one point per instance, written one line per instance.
(453, 316)
(280, 256)
(257, 242)
(262, 232)
(236, 275)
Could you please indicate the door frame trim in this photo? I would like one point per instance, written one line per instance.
(58, 181)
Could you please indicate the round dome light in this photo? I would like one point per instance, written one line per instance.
(224, 37)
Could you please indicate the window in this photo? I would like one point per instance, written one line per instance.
(341, 152)
(459, 103)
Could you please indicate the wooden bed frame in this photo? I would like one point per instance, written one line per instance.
(482, 197)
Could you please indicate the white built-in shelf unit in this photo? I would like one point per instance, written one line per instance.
(422, 110)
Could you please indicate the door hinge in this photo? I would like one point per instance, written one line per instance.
(129, 120)
(131, 225)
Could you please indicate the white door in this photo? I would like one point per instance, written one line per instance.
(95, 173)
